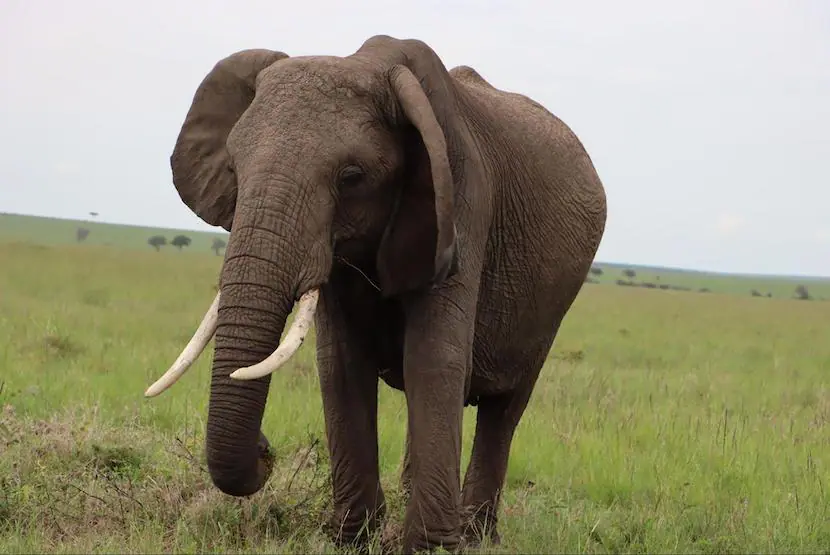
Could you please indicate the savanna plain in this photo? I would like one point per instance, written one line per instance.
(663, 421)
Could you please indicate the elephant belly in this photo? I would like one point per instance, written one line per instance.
(514, 330)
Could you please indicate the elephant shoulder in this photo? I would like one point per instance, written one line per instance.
(528, 124)
(469, 76)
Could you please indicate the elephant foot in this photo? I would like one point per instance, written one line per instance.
(474, 540)
(418, 540)
(428, 526)
(347, 531)
(457, 546)
(480, 526)
(352, 537)
(392, 541)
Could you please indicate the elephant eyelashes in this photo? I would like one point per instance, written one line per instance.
(350, 177)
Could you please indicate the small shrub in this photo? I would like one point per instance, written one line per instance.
(218, 244)
(801, 293)
(157, 241)
(96, 297)
(60, 346)
(570, 356)
(180, 241)
(116, 460)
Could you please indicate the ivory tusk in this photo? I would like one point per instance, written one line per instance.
(191, 352)
(289, 345)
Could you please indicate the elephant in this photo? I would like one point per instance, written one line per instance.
(434, 229)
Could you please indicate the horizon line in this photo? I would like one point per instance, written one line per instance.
(652, 266)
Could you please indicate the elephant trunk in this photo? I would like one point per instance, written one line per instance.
(259, 283)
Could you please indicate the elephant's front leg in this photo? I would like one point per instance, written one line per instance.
(436, 362)
(349, 385)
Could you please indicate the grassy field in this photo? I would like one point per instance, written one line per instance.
(664, 421)
(772, 286)
(55, 231)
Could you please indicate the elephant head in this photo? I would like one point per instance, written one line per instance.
(304, 159)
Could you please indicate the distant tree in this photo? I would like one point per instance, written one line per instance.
(81, 234)
(755, 293)
(629, 273)
(596, 271)
(801, 293)
(157, 241)
(180, 241)
(218, 244)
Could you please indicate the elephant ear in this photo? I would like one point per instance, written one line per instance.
(418, 248)
(201, 166)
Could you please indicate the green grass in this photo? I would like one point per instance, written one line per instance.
(664, 421)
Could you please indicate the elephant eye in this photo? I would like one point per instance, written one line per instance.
(349, 177)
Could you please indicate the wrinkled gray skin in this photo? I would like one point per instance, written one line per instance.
(449, 225)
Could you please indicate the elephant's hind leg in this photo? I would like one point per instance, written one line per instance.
(496, 421)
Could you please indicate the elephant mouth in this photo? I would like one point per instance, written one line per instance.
(291, 342)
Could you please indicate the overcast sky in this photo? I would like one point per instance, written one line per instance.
(708, 122)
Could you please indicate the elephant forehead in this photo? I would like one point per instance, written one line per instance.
(318, 77)
(297, 130)
(293, 112)
(304, 101)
